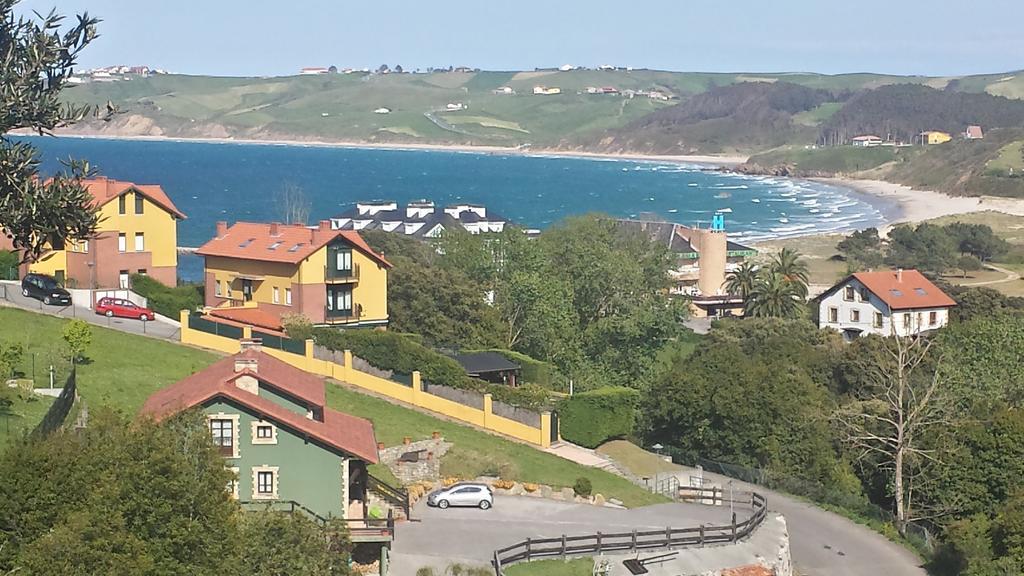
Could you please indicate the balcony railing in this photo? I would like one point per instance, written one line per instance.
(349, 275)
(344, 316)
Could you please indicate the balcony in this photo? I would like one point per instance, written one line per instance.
(344, 316)
(336, 276)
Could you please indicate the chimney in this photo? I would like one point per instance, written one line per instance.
(899, 274)
(246, 359)
(275, 228)
(325, 226)
(222, 228)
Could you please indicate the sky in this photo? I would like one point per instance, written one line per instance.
(269, 38)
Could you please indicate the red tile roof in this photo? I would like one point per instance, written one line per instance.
(749, 570)
(289, 243)
(904, 290)
(254, 317)
(344, 432)
(104, 190)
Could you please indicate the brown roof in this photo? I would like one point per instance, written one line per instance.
(289, 243)
(254, 317)
(349, 434)
(904, 290)
(974, 132)
(104, 190)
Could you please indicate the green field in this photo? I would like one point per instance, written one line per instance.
(577, 567)
(833, 159)
(123, 370)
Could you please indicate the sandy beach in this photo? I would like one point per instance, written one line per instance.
(919, 205)
(711, 161)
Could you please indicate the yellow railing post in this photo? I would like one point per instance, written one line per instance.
(545, 429)
(417, 387)
(184, 332)
(488, 406)
(309, 355)
(345, 373)
(247, 332)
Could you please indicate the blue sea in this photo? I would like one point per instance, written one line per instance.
(234, 181)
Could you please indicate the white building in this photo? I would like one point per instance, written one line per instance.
(889, 302)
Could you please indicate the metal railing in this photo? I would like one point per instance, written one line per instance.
(392, 495)
(351, 274)
(599, 543)
(357, 527)
(342, 316)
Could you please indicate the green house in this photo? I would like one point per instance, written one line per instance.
(286, 447)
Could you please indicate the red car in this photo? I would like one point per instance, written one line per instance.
(110, 307)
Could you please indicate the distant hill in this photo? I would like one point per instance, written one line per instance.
(744, 116)
(902, 111)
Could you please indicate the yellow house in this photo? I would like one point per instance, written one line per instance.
(257, 272)
(933, 137)
(137, 234)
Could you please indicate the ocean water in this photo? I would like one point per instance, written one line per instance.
(232, 181)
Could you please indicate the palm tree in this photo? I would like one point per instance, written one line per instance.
(791, 268)
(740, 282)
(775, 296)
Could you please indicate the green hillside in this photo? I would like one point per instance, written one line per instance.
(340, 107)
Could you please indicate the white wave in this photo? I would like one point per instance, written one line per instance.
(724, 210)
(792, 228)
(740, 187)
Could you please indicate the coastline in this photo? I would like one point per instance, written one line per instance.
(919, 205)
(705, 160)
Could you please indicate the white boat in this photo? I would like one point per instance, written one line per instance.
(693, 184)
(724, 211)
(673, 210)
(756, 200)
(784, 220)
(723, 195)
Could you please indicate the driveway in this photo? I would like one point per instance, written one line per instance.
(470, 535)
(827, 544)
(10, 294)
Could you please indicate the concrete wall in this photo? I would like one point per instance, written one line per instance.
(482, 418)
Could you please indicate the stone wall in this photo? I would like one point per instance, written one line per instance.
(464, 397)
(427, 468)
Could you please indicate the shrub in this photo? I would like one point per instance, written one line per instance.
(8, 265)
(297, 326)
(78, 336)
(531, 487)
(582, 487)
(592, 418)
(504, 484)
(165, 299)
(534, 371)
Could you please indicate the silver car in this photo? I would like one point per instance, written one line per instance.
(462, 494)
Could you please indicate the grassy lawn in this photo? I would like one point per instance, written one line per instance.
(122, 369)
(23, 415)
(477, 452)
(635, 459)
(577, 567)
(817, 251)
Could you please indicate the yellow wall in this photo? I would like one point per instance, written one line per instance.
(277, 274)
(372, 289)
(937, 137)
(158, 226)
(413, 395)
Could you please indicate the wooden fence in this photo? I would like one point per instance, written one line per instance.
(598, 543)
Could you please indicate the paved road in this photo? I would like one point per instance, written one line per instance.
(826, 544)
(1010, 277)
(10, 294)
(439, 537)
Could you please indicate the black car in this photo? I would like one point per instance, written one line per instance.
(45, 288)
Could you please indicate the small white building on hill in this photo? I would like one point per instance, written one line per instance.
(887, 303)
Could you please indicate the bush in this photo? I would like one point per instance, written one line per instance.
(582, 487)
(297, 326)
(165, 299)
(592, 418)
(78, 336)
(8, 265)
(534, 371)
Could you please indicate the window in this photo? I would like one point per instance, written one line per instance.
(121, 209)
(223, 431)
(854, 315)
(232, 486)
(339, 301)
(906, 320)
(140, 242)
(216, 288)
(343, 260)
(848, 293)
(277, 295)
(920, 291)
(288, 296)
(865, 295)
(122, 243)
(878, 320)
(85, 246)
(263, 432)
(264, 482)
(142, 271)
(123, 279)
(833, 315)
(274, 246)
(140, 203)
(933, 318)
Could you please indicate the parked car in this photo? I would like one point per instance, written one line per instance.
(122, 309)
(45, 288)
(462, 494)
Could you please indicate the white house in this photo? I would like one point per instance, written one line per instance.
(889, 302)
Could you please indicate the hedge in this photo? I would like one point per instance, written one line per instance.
(403, 354)
(165, 299)
(534, 371)
(592, 418)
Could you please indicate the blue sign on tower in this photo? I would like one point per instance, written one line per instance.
(718, 222)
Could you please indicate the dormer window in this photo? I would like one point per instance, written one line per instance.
(274, 246)
(295, 248)
(246, 243)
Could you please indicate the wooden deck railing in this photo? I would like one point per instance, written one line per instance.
(597, 543)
